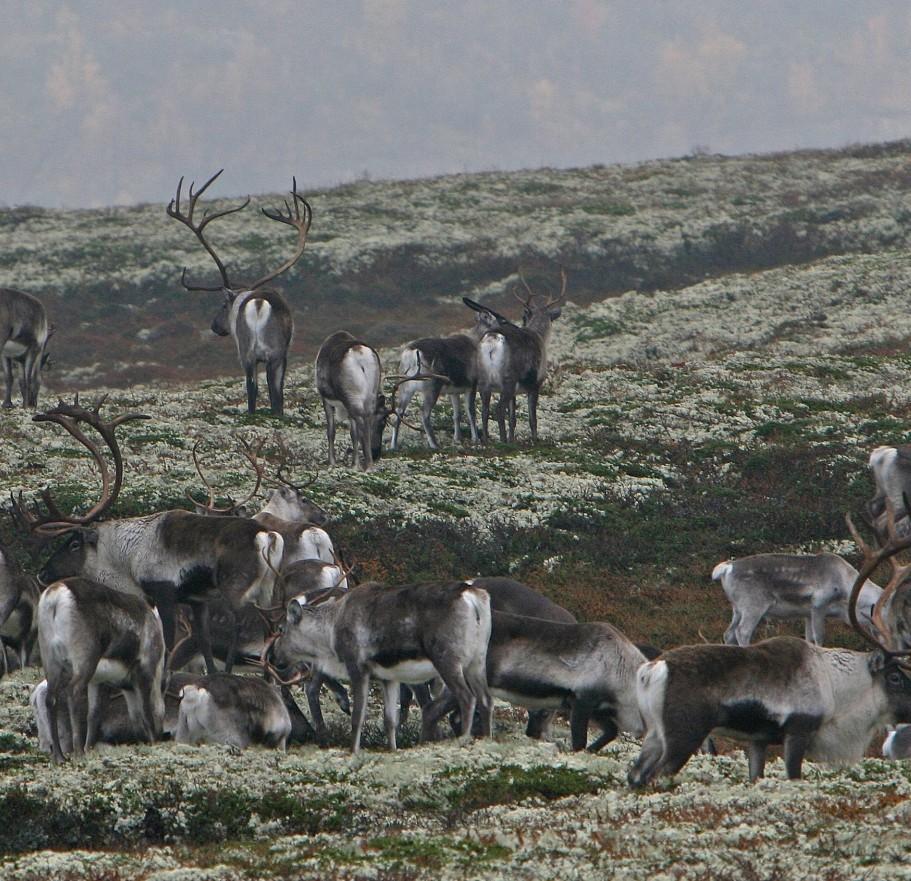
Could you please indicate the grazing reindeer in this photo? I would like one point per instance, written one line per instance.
(409, 633)
(515, 358)
(24, 332)
(234, 711)
(348, 377)
(809, 586)
(18, 608)
(822, 703)
(588, 669)
(454, 361)
(258, 320)
(91, 634)
(172, 557)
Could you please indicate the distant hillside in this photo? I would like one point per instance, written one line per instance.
(389, 260)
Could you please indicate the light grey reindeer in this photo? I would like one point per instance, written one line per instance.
(259, 320)
(512, 359)
(406, 633)
(24, 332)
(18, 610)
(453, 361)
(787, 586)
(348, 378)
(891, 467)
(91, 634)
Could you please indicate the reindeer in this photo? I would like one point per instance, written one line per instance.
(409, 633)
(24, 332)
(825, 704)
(348, 377)
(18, 608)
(453, 360)
(588, 669)
(809, 586)
(172, 556)
(514, 358)
(891, 467)
(258, 320)
(89, 634)
(232, 710)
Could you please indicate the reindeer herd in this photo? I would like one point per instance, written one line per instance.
(127, 613)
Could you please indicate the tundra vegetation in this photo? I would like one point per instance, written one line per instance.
(735, 344)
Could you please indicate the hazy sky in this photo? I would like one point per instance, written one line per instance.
(110, 102)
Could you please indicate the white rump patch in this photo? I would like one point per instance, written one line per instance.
(256, 314)
(721, 570)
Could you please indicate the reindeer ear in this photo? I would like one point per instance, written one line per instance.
(88, 536)
(876, 661)
(294, 612)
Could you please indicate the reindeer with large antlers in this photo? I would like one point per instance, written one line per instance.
(825, 704)
(259, 320)
(171, 557)
(512, 359)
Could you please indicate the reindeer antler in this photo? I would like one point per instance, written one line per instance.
(69, 416)
(252, 455)
(872, 558)
(173, 210)
(286, 461)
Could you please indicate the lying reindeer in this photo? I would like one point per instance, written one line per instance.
(91, 634)
(822, 703)
(409, 633)
(234, 711)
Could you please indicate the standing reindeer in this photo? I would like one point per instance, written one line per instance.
(90, 634)
(18, 610)
(348, 377)
(512, 359)
(809, 586)
(454, 362)
(24, 333)
(258, 320)
(172, 556)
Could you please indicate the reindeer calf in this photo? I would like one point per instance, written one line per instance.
(91, 634)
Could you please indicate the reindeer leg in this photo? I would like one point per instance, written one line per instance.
(502, 407)
(470, 407)
(756, 755)
(52, 706)
(252, 387)
(204, 637)
(533, 414)
(391, 710)
(330, 430)
(316, 711)
(431, 391)
(360, 687)
(512, 418)
(78, 700)
(456, 402)
(485, 415)
(433, 712)
(578, 723)
(301, 729)
(93, 722)
(8, 383)
(275, 379)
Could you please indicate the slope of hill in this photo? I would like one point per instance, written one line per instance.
(390, 260)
